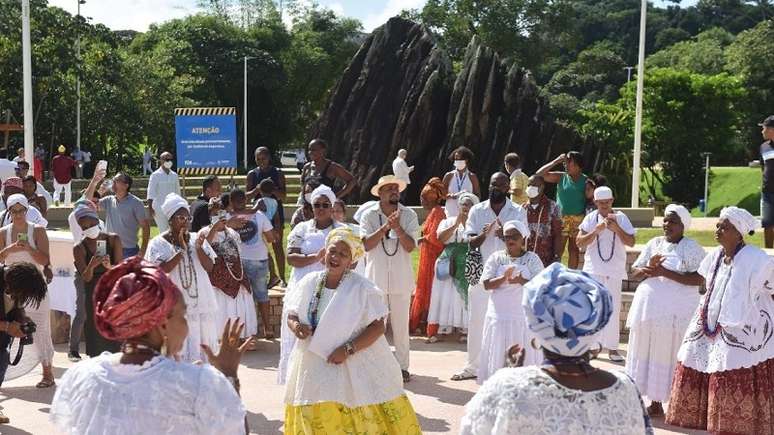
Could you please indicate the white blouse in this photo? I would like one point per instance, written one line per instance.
(505, 301)
(527, 401)
(99, 396)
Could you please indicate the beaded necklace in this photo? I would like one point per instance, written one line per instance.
(705, 309)
(187, 274)
(384, 248)
(612, 249)
(460, 181)
(537, 231)
(314, 305)
(232, 245)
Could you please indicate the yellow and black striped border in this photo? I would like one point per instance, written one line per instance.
(198, 111)
(207, 171)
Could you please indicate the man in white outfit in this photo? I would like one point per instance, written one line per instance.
(402, 171)
(162, 182)
(390, 232)
(485, 229)
(147, 157)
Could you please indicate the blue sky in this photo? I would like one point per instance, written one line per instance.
(139, 14)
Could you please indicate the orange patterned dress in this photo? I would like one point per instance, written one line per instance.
(429, 251)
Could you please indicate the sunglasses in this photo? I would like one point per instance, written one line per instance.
(511, 238)
(321, 205)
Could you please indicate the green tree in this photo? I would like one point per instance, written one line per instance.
(704, 54)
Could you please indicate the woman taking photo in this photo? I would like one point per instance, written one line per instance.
(22, 241)
(459, 180)
(187, 258)
(663, 306)
(724, 381)
(565, 310)
(143, 389)
(96, 253)
(429, 249)
(343, 377)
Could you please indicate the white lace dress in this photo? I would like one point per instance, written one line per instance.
(242, 306)
(505, 323)
(528, 401)
(99, 396)
(447, 308)
(201, 305)
(659, 315)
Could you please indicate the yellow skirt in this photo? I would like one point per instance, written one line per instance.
(395, 417)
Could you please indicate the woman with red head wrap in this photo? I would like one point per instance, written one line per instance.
(429, 250)
(136, 303)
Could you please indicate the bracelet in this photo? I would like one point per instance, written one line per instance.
(349, 347)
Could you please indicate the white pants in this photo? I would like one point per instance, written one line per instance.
(146, 168)
(161, 221)
(399, 305)
(611, 334)
(68, 194)
(478, 299)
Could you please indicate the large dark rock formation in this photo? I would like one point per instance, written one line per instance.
(399, 91)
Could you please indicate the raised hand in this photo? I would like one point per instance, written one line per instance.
(230, 354)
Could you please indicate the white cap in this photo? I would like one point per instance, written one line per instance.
(603, 193)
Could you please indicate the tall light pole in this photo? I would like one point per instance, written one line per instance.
(78, 80)
(638, 114)
(244, 110)
(29, 137)
(706, 181)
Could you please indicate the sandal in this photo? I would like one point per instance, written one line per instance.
(45, 383)
(463, 376)
(433, 339)
(463, 339)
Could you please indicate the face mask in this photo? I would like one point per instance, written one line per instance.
(533, 191)
(495, 196)
(168, 164)
(460, 164)
(91, 233)
(308, 197)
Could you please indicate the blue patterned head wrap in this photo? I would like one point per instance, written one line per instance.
(566, 309)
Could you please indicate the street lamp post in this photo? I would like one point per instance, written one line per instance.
(244, 111)
(78, 81)
(638, 114)
(706, 180)
(29, 137)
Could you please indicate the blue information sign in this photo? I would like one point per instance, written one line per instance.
(206, 140)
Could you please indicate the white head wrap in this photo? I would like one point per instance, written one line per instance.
(603, 193)
(681, 212)
(741, 219)
(517, 225)
(467, 196)
(325, 191)
(17, 198)
(172, 203)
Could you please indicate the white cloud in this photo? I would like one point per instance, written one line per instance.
(392, 8)
(129, 14)
(336, 7)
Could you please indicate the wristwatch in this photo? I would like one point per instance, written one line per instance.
(349, 348)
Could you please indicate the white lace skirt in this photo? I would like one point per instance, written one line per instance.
(42, 349)
(652, 355)
(447, 309)
(242, 306)
(202, 329)
(499, 336)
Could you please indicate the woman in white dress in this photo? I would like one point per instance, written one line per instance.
(460, 180)
(187, 258)
(449, 297)
(228, 278)
(724, 381)
(504, 275)
(24, 241)
(143, 389)
(566, 310)
(343, 377)
(306, 250)
(663, 306)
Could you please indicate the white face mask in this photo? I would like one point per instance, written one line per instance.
(460, 164)
(168, 164)
(91, 233)
(216, 218)
(308, 197)
(533, 191)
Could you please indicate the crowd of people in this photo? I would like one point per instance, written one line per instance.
(489, 275)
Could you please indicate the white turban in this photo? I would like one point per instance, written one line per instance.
(17, 198)
(741, 219)
(603, 193)
(172, 203)
(517, 225)
(325, 191)
(681, 212)
(466, 196)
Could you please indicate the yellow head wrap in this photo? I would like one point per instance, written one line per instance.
(344, 234)
(61, 149)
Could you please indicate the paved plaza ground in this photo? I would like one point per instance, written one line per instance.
(438, 401)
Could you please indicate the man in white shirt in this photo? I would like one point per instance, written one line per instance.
(147, 157)
(162, 182)
(485, 229)
(402, 171)
(19, 155)
(77, 155)
(605, 234)
(390, 232)
(22, 170)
